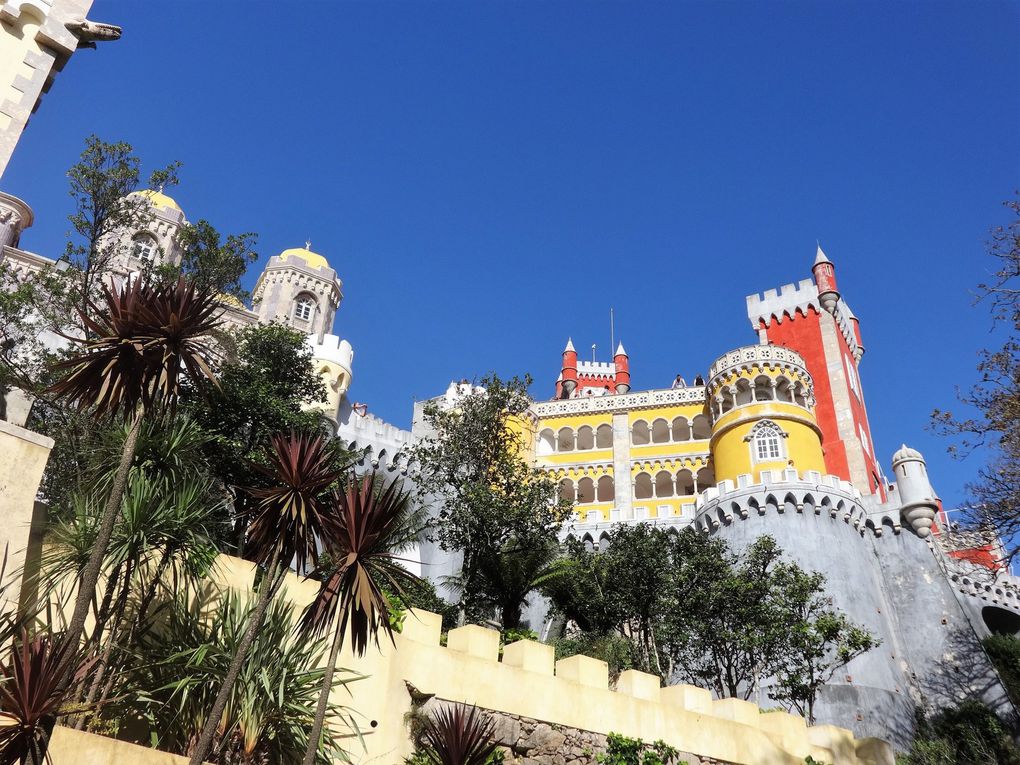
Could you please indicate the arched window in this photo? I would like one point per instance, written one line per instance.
(304, 306)
(727, 400)
(640, 434)
(546, 442)
(585, 437)
(565, 440)
(606, 489)
(702, 428)
(567, 490)
(604, 437)
(143, 246)
(766, 442)
(585, 491)
(762, 388)
(798, 395)
(684, 483)
(681, 430)
(643, 486)
(663, 484)
(660, 432)
(784, 392)
(705, 479)
(743, 391)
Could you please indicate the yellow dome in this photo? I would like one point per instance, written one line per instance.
(159, 199)
(314, 259)
(230, 300)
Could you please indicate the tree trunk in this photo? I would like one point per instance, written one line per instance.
(90, 577)
(234, 670)
(320, 710)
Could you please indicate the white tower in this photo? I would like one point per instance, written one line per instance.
(299, 288)
(919, 504)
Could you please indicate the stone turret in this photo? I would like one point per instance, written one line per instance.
(825, 278)
(568, 374)
(919, 503)
(622, 363)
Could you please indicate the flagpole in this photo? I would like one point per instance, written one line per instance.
(612, 332)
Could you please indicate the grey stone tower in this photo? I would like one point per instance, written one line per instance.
(298, 287)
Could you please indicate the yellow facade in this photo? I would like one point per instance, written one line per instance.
(652, 454)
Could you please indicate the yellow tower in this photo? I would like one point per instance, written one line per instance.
(762, 403)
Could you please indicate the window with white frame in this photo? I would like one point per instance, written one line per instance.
(766, 442)
(303, 308)
(143, 246)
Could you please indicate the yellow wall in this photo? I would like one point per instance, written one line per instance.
(573, 692)
(731, 451)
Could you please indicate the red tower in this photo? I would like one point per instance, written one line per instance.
(592, 378)
(812, 318)
(567, 383)
(622, 363)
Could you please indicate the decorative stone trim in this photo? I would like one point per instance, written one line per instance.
(648, 399)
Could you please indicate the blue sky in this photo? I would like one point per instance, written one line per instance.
(489, 178)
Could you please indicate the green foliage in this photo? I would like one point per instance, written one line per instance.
(421, 593)
(181, 666)
(490, 495)
(504, 579)
(212, 262)
(263, 385)
(1004, 651)
(101, 183)
(614, 649)
(687, 605)
(967, 734)
(621, 750)
(991, 422)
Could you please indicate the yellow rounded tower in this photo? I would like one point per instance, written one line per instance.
(762, 403)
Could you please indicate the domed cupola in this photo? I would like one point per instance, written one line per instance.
(298, 287)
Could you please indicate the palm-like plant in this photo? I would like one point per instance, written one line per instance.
(505, 578)
(182, 665)
(33, 688)
(139, 345)
(457, 735)
(289, 519)
(367, 528)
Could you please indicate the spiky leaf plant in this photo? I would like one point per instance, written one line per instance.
(289, 516)
(365, 531)
(139, 345)
(182, 665)
(457, 735)
(34, 683)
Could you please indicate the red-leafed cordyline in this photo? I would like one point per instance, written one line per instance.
(288, 522)
(141, 342)
(364, 530)
(34, 684)
(457, 735)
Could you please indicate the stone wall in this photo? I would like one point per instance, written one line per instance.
(527, 741)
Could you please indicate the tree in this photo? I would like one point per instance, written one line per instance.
(823, 641)
(486, 492)
(507, 577)
(289, 521)
(265, 380)
(101, 186)
(995, 399)
(143, 341)
(214, 263)
(366, 529)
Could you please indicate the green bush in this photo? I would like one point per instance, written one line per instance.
(621, 750)
(967, 734)
(615, 650)
(1004, 651)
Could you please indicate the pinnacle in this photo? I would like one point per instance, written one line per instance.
(620, 351)
(570, 346)
(820, 256)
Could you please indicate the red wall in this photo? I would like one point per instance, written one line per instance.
(804, 335)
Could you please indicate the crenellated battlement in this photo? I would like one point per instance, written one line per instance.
(331, 348)
(775, 305)
(789, 492)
